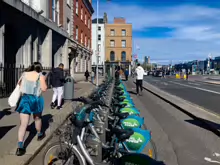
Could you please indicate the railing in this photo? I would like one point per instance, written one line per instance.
(9, 76)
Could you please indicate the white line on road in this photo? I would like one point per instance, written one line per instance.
(202, 89)
(216, 154)
(193, 83)
(211, 161)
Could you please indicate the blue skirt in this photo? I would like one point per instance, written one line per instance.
(30, 104)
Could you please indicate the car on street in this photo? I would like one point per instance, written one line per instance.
(157, 73)
(150, 73)
(145, 73)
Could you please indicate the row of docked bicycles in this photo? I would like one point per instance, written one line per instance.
(106, 130)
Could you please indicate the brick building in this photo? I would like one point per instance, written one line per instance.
(82, 15)
(118, 43)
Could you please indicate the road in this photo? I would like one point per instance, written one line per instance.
(180, 140)
(202, 94)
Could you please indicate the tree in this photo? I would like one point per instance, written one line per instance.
(146, 66)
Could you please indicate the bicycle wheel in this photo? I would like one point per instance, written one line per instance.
(150, 150)
(59, 153)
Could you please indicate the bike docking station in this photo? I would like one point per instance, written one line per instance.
(106, 130)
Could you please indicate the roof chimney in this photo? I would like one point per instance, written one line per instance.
(119, 20)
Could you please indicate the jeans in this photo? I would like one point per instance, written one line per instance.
(139, 84)
(92, 79)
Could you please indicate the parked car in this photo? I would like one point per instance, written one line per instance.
(145, 73)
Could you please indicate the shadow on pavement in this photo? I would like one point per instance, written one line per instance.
(132, 92)
(205, 124)
(135, 158)
(5, 112)
(46, 119)
(4, 130)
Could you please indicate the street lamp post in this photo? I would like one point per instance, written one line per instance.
(97, 45)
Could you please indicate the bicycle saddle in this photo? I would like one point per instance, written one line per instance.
(122, 115)
(122, 134)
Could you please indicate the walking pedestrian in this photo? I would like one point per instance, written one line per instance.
(139, 79)
(92, 76)
(120, 73)
(57, 82)
(32, 83)
(187, 74)
(163, 73)
(117, 74)
(86, 75)
(126, 74)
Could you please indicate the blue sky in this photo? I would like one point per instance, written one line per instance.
(165, 30)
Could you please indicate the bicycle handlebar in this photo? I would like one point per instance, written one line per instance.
(90, 102)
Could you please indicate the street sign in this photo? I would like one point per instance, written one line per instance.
(135, 56)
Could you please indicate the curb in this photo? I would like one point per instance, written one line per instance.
(184, 110)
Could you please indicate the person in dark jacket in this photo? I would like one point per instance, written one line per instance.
(126, 74)
(57, 82)
(87, 75)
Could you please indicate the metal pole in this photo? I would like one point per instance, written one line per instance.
(97, 46)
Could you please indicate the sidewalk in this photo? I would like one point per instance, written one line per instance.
(52, 119)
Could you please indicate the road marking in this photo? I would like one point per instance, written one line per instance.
(216, 154)
(202, 89)
(193, 83)
(211, 161)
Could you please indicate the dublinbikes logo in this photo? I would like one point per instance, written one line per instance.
(135, 141)
(131, 111)
(130, 123)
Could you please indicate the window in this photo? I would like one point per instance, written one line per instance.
(77, 7)
(112, 32)
(88, 43)
(123, 32)
(81, 37)
(77, 33)
(99, 28)
(123, 43)
(112, 56)
(99, 47)
(56, 10)
(68, 2)
(89, 23)
(85, 19)
(81, 13)
(99, 37)
(112, 43)
(85, 41)
(123, 56)
(68, 26)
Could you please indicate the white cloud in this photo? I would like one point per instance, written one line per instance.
(196, 29)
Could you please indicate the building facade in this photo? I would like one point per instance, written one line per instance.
(101, 44)
(118, 43)
(82, 29)
(43, 31)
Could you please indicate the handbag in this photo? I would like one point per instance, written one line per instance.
(14, 97)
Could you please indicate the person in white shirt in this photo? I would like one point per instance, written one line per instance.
(139, 79)
(92, 76)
